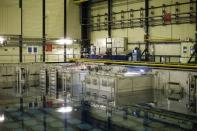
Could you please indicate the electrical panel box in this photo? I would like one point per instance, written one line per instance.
(186, 51)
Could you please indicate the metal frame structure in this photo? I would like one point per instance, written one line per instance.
(157, 20)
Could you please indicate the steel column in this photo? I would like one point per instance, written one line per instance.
(43, 29)
(109, 17)
(21, 35)
(196, 34)
(196, 23)
(147, 29)
(65, 28)
(84, 27)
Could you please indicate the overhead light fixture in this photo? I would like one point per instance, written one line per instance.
(142, 70)
(66, 109)
(2, 118)
(2, 40)
(127, 74)
(65, 41)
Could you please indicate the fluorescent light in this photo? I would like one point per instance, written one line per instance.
(2, 40)
(65, 109)
(132, 73)
(65, 41)
(2, 118)
(142, 70)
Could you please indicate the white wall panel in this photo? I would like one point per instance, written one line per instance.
(9, 55)
(161, 32)
(32, 18)
(9, 20)
(171, 49)
(54, 18)
(9, 3)
(183, 31)
(73, 20)
(98, 34)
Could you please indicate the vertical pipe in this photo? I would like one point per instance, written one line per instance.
(109, 17)
(21, 36)
(43, 29)
(65, 28)
(147, 29)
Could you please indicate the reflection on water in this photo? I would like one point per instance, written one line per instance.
(84, 116)
(78, 120)
(160, 99)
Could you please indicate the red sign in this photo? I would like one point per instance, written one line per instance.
(167, 18)
(49, 47)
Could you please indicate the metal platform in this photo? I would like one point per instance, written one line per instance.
(148, 64)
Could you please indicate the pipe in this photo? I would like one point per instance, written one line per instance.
(147, 29)
(109, 17)
(21, 35)
(43, 29)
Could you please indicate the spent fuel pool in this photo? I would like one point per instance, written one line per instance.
(77, 118)
(23, 109)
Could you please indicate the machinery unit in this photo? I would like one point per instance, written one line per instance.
(136, 54)
(53, 82)
(62, 80)
(72, 82)
(43, 80)
(22, 80)
(107, 87)
(93, 50)
(49, 81)
(186, 51)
